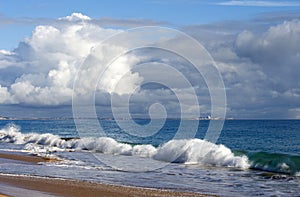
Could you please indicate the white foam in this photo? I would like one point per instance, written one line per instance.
(11, 134)
(188, 151)
(104, 145)
(197, 151)
(146, 150)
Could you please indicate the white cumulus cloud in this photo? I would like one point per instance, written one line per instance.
(49, 60)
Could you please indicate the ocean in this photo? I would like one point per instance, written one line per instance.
(250, 158)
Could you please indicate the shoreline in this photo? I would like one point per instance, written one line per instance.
(15, 184)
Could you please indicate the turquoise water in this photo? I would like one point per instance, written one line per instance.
(252, 157)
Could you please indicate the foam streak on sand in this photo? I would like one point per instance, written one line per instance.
(74, 188)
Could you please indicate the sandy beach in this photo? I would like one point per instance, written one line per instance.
(71, 188)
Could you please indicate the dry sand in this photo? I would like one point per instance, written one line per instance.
(74, 188)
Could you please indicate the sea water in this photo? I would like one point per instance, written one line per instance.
(251, 157)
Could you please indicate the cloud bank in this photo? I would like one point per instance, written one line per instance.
(260, 68)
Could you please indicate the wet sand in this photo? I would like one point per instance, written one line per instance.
(72, 188)
(25, 158)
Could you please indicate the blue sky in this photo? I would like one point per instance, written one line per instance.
(177, 13)
(255, 44)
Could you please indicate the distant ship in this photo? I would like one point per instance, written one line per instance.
(212, 118)
(3, 118)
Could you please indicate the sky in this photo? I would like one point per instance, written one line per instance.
(43, 45)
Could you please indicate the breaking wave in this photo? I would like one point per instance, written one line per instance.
(275, 162)
(187, 151)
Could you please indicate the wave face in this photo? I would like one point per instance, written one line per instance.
(187, 151)
(275, 162)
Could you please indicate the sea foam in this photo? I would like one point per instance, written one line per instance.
(197, 151)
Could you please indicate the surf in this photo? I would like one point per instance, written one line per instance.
(185, 151)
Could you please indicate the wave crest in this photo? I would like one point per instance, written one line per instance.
(197, 151)
(188, 151)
